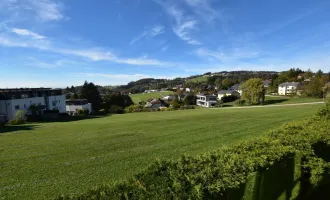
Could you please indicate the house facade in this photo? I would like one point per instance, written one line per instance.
(289, 88)
(206, 100)
(72, 106)
(223, 93)
(13, 100)
(236, 88)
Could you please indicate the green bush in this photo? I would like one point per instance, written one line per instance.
(17, 122)
(114, 109)
(80, 112)
(20, 115)
(240, 102)
(86, 112)
(50, 111)
(100, 112)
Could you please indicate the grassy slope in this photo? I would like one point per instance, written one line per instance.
(73, 156)
(144, 97)
(198, 79)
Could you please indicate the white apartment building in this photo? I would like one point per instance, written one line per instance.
(13, 100)
(289, 88)
(206, 100)
(72, 106)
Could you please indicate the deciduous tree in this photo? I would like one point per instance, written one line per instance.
(253, 91)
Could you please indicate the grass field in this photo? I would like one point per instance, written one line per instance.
(144, 97)
(280, 100)
(198, 79)
(42, 160)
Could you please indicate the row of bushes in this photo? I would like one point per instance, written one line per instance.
(135, 108)
(292, 162)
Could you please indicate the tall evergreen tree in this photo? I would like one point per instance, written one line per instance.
(90, 92)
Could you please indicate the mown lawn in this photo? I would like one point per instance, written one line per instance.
(144, 97)
(42, 160)
(279, 100)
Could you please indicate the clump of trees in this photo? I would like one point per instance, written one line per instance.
(253, 91)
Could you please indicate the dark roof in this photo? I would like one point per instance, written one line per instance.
(225, 92)
(235, 87)
(76, 102)
(25, 89)
(289, 84)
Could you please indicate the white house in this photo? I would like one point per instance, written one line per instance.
(189, 90)
(289, 88)
(206, 100)
(13, 100)
(236, 88)
(223, 93)
(72, 106)
(167, 98)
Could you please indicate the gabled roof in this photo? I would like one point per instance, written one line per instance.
(235, 87)
(289, 84)
(225, 92)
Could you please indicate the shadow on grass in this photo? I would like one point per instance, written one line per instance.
(24, 127)
(224, 106)
(274, 101)
(68, 118)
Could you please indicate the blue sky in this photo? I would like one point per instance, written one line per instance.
(55, 43)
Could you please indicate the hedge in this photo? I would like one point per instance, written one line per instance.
(292, 162)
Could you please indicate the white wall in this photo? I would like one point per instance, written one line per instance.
(57, 103)
(23, 104)
(74, 108)
(281, 90)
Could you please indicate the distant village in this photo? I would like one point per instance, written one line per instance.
(211, 92)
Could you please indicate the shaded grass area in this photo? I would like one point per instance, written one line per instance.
(70, 157)
(144, 97)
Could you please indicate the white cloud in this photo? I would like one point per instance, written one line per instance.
(231, 55)
(94, 54)
(157, 30)
(139, 37)
(40, 10)
(25, 32)
(182, 25)
(128, 77)
(47, 10)
(34, 62)
(204, 9)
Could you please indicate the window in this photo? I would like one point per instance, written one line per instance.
(53, 103)
(16, 107)
(23, 96)
(24, 105)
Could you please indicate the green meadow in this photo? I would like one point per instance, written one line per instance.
(42, 160)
